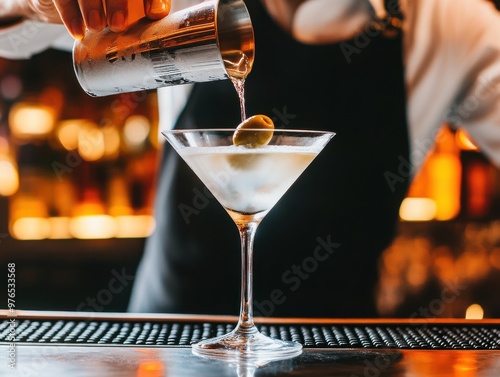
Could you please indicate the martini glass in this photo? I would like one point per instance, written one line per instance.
(247, 182)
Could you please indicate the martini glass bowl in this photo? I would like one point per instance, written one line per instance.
(247, 181)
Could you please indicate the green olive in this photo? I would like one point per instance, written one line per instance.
(247, 133)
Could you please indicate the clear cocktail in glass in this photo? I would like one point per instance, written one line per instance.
(247, 181)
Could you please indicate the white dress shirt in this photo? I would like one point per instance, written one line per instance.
(451, 57)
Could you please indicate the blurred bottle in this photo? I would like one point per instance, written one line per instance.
(9, 175)
(478, 185)
(477, 181)
(445, 174)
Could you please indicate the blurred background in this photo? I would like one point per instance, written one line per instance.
(76, 185)
(77, 181)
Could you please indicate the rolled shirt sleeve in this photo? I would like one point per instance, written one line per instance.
(477, 105)
(452, 64)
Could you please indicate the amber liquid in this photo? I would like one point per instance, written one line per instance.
(238, 67)
(239, 85)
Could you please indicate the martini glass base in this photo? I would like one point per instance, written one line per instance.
(244, 346)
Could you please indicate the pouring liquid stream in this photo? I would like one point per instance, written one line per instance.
(238, 67)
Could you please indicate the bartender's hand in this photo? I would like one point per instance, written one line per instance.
(94, 15)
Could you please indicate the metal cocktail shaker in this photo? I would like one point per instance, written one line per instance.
(213, 40)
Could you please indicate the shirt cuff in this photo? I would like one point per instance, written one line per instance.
(23, 40)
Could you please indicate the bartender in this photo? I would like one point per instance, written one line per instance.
(384, 75)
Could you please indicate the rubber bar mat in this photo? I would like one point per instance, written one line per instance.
(143, 333)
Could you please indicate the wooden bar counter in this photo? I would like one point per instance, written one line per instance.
(142, 345)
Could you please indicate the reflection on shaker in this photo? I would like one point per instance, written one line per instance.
(211, 41)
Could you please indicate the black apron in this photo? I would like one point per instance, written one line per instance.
(317, 250)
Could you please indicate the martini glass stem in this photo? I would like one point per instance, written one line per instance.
(247, 233)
